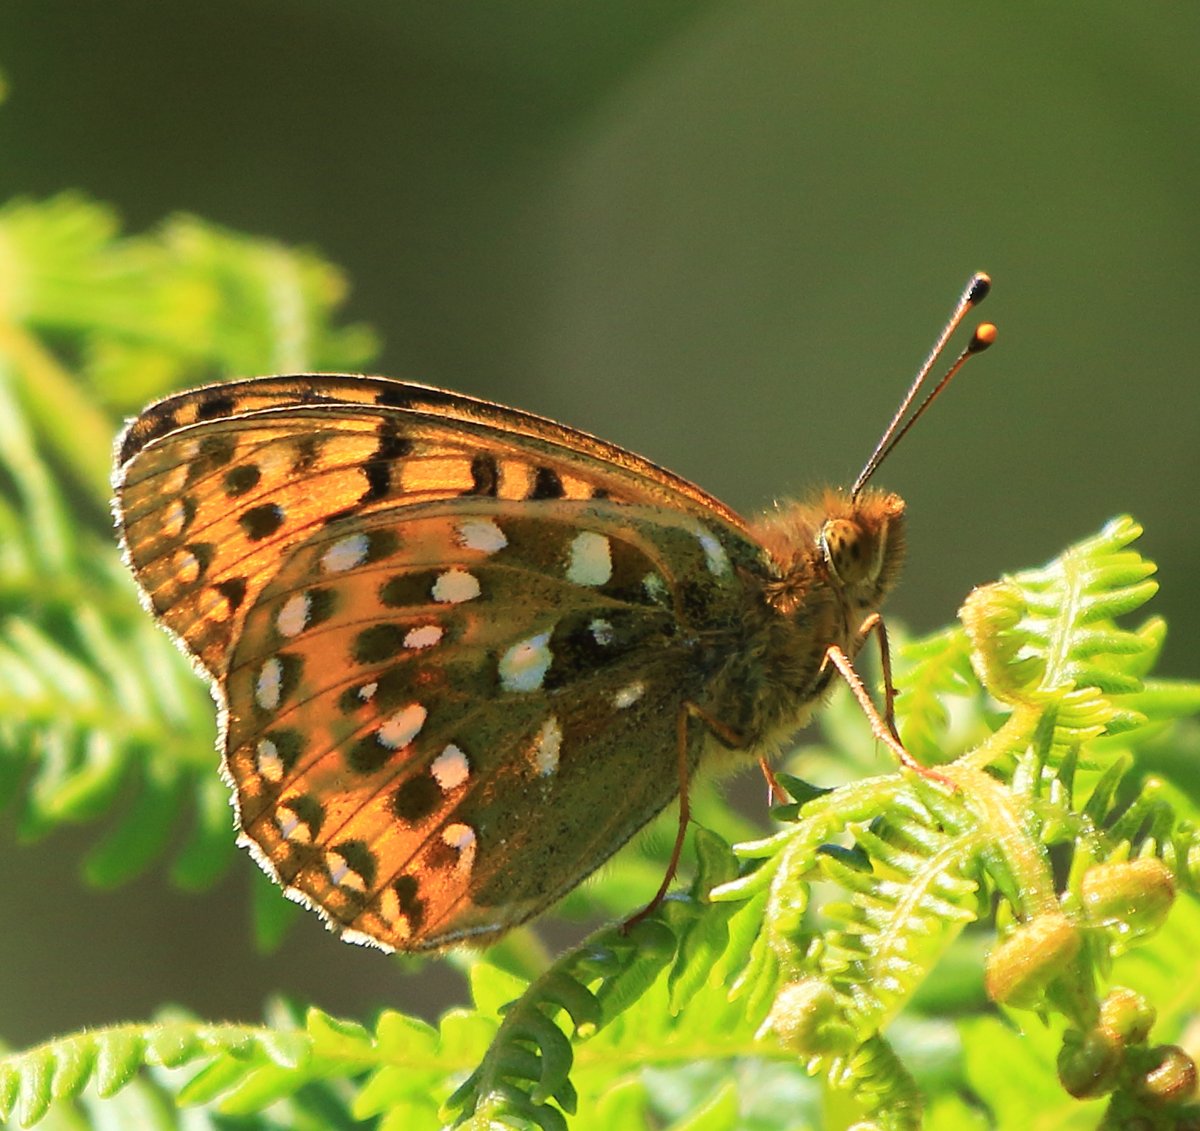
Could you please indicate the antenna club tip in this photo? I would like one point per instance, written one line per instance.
(981, 283)
(984, 336)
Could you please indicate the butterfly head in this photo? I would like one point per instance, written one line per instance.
(848, 548)
(861, 543)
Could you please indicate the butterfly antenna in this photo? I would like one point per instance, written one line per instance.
(976, 291)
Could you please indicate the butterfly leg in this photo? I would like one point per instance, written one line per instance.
(776, 794)
(874, 623)
(681, 730)
(879, 727)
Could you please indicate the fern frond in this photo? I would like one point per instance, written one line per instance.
(794, 961)
(526, 1073)
(102, 712)
(1047, 642)
(231, 1059)
(147, 314)
(915, 864)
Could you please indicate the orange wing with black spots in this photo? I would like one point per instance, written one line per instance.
(428, 620)
(215, 486)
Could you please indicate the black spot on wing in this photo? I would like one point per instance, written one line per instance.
(289, 745)
(213, 452)
(309, 810)
(262, 521)
(308, 451)
(417, 798)
(378, 642)
(403, 590)
(215, 405)
(233, 589)
(546, 484)
(322, 604)
(359, 858)
(352, 699)
(378, 469)
(203, 552)
(485, 475)
(368, 754)
(239, 480)
(411, 906)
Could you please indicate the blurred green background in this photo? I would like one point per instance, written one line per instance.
(720, 234)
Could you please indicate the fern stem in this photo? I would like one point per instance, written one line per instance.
(1001, 815)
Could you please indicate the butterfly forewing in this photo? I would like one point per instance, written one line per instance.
(429, 624)
(216, 485)
(392, 403)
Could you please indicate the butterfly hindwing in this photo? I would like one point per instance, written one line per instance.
(419, 699)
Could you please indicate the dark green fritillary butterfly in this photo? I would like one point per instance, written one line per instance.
(462, 653)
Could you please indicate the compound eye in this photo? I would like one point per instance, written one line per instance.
(852, 554)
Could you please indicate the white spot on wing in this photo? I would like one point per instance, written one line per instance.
(450, 768)
(270, 765)
(455, 586)
(389, 904)
(269, 686)
(175, 479)
(524, 665)
(389, 911)
(714, 553)
(480, 534)
(590, 562)
(174, 519)
(345, 553)
(602, 632)
(547, 746)
(293, 614)
(367, 692)
(656, 588)
(341, 874)
(627, 696)
(401, 728)
(291, 827)
(423, 636)
(462, 838)
(186, 567)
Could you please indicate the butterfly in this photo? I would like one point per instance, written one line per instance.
(462, 653)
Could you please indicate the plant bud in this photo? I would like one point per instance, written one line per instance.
(1172, 1080)
(1126, 1016)
(1131, 896)
(1020, 968)
(1089, 1064)
(807, 1018)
